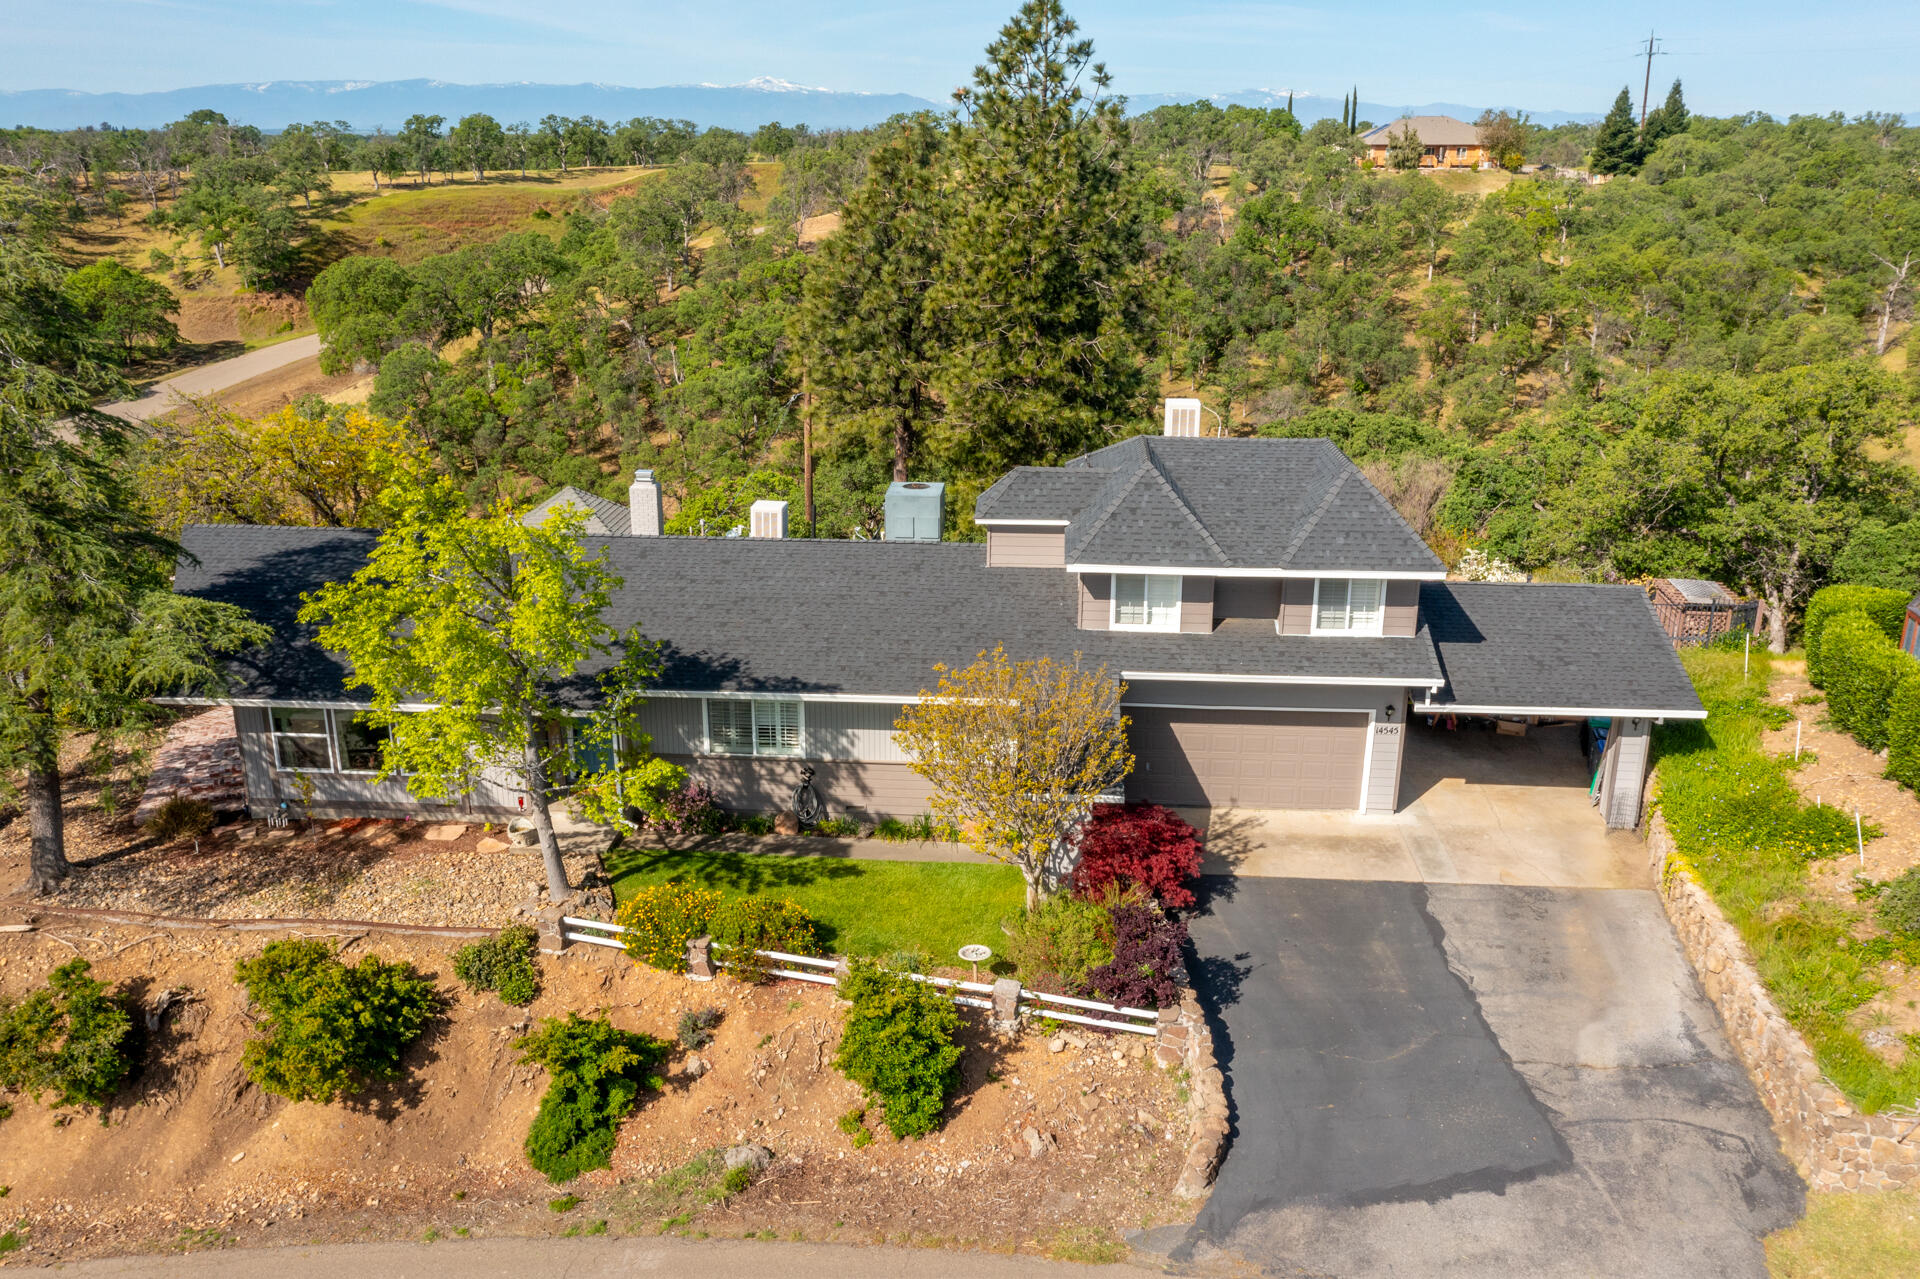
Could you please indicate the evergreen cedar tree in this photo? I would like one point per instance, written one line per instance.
(1144, 844)
(89, 625)
(869, 340)
(482, 619)
(1015, 751)
(1041, 284)
(1616, 147)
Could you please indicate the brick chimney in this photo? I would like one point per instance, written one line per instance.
(643, 505)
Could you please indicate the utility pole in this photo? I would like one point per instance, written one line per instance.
(1646, 83)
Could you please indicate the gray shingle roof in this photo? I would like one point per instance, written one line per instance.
(794, 615)
(1550, 646)
(604, 516)
(1200, 504)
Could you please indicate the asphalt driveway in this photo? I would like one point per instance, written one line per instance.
(1473, 1080)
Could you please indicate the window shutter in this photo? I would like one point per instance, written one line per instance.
(730, 727)
(776, 728)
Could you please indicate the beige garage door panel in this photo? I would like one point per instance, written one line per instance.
(1247, 759)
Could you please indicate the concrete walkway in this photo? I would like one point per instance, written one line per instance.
(170, 394)
(583, 1259)
(1475, 808)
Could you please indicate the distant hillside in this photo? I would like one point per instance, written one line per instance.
(1309, 107)
(365, 105)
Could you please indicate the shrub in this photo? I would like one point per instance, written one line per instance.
(598, 1073)
(1142, 844)
(329, 1029)
(1899, 906)
(69, 1038)
(1862, 669)
(696, 1027)
(1887, 610)
(180, 818)
(1146, 954)
(1059, 943)
(747, 924)
(898, 1045)
(504, 963)
(662, 918)
(1903, 733)
(690, 811)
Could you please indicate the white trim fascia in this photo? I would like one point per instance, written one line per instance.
(876, 699)
(1591, 712)
(883, 699)
(1366, 766)
(266, 703)
(1202, 570)
(1358, 681)
(1023, 523)
(1251, 710)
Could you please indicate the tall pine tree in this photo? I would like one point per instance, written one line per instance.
(866, 336)
(1616, 147)
(1042, 290)
(1664, 121)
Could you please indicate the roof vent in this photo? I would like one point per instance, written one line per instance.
(1183, 417)
(767, 518)
(916, 511)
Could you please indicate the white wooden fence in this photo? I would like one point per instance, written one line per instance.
(973, 994)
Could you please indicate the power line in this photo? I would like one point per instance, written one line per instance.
(1653, 50)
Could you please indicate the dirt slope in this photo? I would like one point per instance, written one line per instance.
(192, 1155)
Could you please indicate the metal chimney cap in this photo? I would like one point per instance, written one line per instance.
(643, 476)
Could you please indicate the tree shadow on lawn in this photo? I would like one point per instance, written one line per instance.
(737, 872)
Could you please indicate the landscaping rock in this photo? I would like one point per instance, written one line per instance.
(747, 1155)
(1056, 1044)
(445, 834)
(786, 824)
(695, 1067)
(491, 845)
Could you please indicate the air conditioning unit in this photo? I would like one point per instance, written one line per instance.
(768, 518)
(1183, 418)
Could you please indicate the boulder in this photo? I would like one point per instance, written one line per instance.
(747, 1155)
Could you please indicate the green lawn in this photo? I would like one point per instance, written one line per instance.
(863, 907)
(1742, 827)
(1850, 1236)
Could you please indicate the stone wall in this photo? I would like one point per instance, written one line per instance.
(1834, 1146)
(1184, 1042)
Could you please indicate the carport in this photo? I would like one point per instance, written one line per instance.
(1530, 655)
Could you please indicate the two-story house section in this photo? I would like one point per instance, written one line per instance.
(1275, 623)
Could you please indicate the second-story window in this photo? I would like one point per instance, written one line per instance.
(1145, 602)
(1346, 606)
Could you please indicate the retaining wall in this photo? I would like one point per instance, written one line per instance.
(1834, 1146)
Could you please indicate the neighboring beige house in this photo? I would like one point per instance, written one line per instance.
(1446, 143)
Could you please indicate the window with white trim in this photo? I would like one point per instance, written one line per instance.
(1145, 602)
(300, 740)
(752, 726)
(1347, 606)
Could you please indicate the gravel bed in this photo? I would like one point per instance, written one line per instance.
(389, 872)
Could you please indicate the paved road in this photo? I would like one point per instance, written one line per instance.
(1474, 1080)
(586, 1259)
(208, 378)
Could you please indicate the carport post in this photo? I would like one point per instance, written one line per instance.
(1623, 772)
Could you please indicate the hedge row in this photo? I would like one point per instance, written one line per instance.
(1873, 688)
(1886, 609)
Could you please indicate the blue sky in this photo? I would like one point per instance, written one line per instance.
(1760, 55)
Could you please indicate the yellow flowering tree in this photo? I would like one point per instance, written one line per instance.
(1016, 752)
(296, 466)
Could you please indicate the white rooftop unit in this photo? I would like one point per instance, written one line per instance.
(1183, 417)
(767, 518)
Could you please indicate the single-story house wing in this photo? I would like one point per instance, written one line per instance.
(1272, 618)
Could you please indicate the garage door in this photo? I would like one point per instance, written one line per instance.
(1247, 759)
